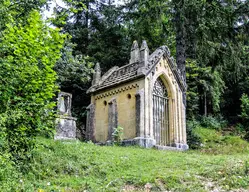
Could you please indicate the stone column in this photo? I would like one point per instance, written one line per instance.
(97, 74)
(90, 124)
(171, 121)
(180, 116)
(140, 113)
(112, 118)
(148, 108)
(184, 125)
(135, 53)
(174, 111)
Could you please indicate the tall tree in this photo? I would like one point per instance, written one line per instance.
(150, 20)
(180, 31)
(216, 33)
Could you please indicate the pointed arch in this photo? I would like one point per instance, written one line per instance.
(167, 82)
(161, 125)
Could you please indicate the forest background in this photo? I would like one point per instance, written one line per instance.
(208, 38)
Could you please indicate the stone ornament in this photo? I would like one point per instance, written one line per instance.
(65, 123)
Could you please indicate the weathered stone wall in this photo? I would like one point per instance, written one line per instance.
(125, 96)
(66, 128)
(65, 125)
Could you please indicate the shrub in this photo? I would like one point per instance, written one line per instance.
(215, 143)
(8, 174)
(193, 140)
(245, 113)
(213, 122)
(118, 134)
(28, 54)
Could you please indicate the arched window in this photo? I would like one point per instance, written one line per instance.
(160, 113)
(159, 88)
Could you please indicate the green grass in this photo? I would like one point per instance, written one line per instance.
(216, 142)
(76, 166)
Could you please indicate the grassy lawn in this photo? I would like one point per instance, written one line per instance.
(76, 166)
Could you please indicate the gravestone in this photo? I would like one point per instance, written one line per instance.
(66, 124)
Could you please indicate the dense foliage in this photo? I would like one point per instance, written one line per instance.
(29, 51)
(245, 113)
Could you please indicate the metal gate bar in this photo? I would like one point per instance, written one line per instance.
(161, 120)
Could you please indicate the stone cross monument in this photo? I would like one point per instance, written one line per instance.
(66, 124)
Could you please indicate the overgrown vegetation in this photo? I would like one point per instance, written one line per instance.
(118, 135)
(29, 51)
(245, 114)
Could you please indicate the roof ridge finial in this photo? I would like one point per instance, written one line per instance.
(144, 45)
(97, 74)
(135, 52)
(134, 45)
(97, 67)
(144, 53)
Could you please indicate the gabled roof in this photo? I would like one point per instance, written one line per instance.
(140, 65)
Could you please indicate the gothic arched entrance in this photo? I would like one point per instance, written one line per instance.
(161, 113)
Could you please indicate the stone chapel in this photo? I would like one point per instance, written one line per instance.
(145, 97)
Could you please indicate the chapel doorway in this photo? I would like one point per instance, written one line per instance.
(161, 113)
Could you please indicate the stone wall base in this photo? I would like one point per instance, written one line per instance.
(174, 147)
(150, 143)
(140, 141)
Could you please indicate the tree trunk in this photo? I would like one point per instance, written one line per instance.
(205, 104)
(87, 23)
(180, 37)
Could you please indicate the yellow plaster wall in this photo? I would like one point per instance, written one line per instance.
(126, 109)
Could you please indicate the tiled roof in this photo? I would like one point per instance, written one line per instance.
(136, 70)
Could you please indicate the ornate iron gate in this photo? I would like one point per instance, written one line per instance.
(160, 113)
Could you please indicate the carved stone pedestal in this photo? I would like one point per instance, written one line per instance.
(66, 128)
(65, 124)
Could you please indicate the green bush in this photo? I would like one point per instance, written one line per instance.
(213, 122)
(193, 139)
(118, 135)
(214, 142)
(29, 51)
(245, 114)
(8, 174)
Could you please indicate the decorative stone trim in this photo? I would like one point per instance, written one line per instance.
(67, 101)
(116, 91)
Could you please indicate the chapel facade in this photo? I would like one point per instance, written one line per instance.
(145, 97)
